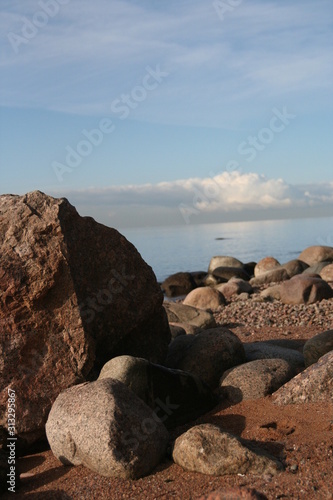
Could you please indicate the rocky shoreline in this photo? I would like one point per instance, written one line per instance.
(229, 388)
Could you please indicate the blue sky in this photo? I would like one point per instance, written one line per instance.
(169, 112)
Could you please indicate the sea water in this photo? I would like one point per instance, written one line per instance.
(190, 247)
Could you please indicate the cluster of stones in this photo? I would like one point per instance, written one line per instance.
(107, 368)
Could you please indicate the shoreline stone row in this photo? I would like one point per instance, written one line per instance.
(94, 353)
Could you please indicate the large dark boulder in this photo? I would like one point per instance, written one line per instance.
(74, 293)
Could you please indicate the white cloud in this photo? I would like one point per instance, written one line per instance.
(225, 193)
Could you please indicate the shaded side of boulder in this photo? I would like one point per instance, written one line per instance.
(180, 313)
(207, 449)
(208, 354)
(314, 384)
(294, 267)
(255, 379)
(107, 428)
(175, 396)
(317, 346)
(178, 284)
(205, 298)
(274, 276)
(316, 253)
(227, 273)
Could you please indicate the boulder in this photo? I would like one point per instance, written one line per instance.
(211, 280)
(271, 293)
(175, 396)
(274, 276)
(198, 277)
(226, 273)
(205, 298)
(180, 313)
(74, 293)
(302, 289)
(104, 426)
(313, 385)
(327, 273)
(208, 354)
(178, 284)
(266, 350)
(185, 327)
(255, 379)
(294, 267)
(176, 330)
(235, 493)
(317, 346)
(317, 268)
(224, 261)
(266, 264)
(207, 449)
(317, 253)
(235, 286)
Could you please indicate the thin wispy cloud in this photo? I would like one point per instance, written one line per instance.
(261, 48)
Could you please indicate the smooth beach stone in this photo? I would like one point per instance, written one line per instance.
(209, 450)
(327, 273)
(175, 396)
(265, 350)
(266, 264)
(304, 289)
(317, 346)
(208, 354)
(224, 261)
(317, 253)
(271, 293)
(317, 268)
(178, 284)
(104, 426)
(255, 379)
(273, 276)
(180, 313)
(313, 385)
(227, 273)
(205, 298)
(235, 286)
(294, 267)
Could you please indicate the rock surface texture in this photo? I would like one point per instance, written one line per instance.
(207, 449)
(314, 384)
(74, 293)
(106, 427)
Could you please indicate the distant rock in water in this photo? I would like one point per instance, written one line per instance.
(74, 294)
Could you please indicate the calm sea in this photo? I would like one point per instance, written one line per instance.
(190, 247)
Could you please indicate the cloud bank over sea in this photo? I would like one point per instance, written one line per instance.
(226, 196)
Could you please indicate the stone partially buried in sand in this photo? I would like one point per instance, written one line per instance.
(317, 346)
(207, 449)
(104, 426)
